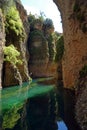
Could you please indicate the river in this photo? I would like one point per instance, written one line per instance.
(31, 106)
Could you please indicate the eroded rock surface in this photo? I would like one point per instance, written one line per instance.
(2, 43)
(75, 39)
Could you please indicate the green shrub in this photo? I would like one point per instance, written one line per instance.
(12, 55)
(33, 20)
(59, 49)
(13, 23)
(52, 47)
(48, 23)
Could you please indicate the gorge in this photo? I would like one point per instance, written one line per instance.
(38, 45)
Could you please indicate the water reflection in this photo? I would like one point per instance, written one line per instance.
(16, 104)
(30, 107)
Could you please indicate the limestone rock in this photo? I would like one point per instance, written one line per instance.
(2, 43)
(75, 40)
(81, 104)
(41, 49)
(9, 73)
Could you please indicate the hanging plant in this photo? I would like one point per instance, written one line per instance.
(14, 24)
(12, 55)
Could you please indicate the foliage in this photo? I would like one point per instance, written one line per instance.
(34, 20)
(59, 49)
(13, 100)
(48, 23)
(83, 71)
(12, 55)
(31, 18)
(13, 23)
(41, 17)
(52, 47)
(35, 33)
(5, 5)
(14, 116)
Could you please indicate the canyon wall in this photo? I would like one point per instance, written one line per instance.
(2, 43)
(42, 51)
(18, 39)
(74, 19)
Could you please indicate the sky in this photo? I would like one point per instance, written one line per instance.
(48, 7)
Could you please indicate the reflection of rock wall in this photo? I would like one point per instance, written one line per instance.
(2, 42)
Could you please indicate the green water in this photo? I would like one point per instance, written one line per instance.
(29, 107)
(14, 96)
(13, 99)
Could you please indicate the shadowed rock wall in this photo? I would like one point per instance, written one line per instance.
(2, 43)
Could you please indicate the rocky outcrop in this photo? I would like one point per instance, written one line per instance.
(74, 18)
(19, 41)
(23, 15)
(41, 49)
(2, 43)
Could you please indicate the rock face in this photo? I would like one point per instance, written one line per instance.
(40, 63)
(81, 104)
(23, 15)
(2, 43)
(74, 19)
(9, 78)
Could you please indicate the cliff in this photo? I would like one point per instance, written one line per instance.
(41, 46)
(74, 19)
(2, 43)
(16, 33)
(74, 62)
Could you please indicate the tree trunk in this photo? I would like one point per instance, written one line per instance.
(74, 20)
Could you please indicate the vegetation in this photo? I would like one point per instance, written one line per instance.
(42, 16)
(59, 49)
(10, 122)
(35, 20)
(45, 35)
(13, 23)
(41, 51)
(12, 55)
(5, 5)
(48, 23)
(52, 47)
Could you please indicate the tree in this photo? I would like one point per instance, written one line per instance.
(48, 23)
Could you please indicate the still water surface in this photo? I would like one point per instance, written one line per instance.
(29, 107)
